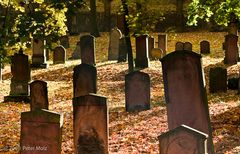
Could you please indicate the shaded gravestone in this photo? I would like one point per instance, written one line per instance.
(47, 54)
(162, 43)
(84, 80)
(187, 46)
(142, 60)
(38, 95)
(39, 54)
(183, 140)
(64, 41)
(232, 83)
(77, 51)
(179, 46)
(156, 53)
(87, 44)
(150, 46)
(185, 92)
(122, 53)
(217, 80)
(231, 49)
(137, 91)
(90, 124)
(113, 50)
(204, 47)
(59, 55)
(41, 132)
(21, 76)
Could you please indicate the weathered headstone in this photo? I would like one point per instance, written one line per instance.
(217, 80)
(150, 46)
(137, 91)
(84, 80)
(21, 75)
(39, 54)
(59, 55)
(87, 44)
(204, 47)
(185, 92)
(113, 50)
(90, 124)
(183, 140)
(41, 132)
(142, 60)
(187, 46)
(77, 51)
(179, 46)
(122, 53)
(38, 95)
(231, 49)
(162, 43)
(156, 53)
(64, 41)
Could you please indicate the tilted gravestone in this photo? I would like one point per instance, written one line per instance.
(122, 53)
(84, 80)
(187, 46)
(185, 92)
(90, 124)
(38, 95)
(64, 41)
(150, 46)
(77, 51)
(183, 140)
(137, 91)
(162, 43)
(59, 55)
(142, 60)
(156, 53)
(39, 54)
(113, 50)
(204, 47)
(231, 49)
(21, 76)
(87, 44)
(217, 80)
(179, 46)
(41, 132)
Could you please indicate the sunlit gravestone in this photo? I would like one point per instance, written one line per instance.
(59, 55)
(39, 54)
(113, 50)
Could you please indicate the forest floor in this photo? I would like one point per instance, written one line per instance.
(128, 132)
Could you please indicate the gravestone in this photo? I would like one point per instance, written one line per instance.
(185, 92)
(232, 82)
(77, 52)
(142, 60)
(39, 54)
(21, 75)
(179, 46)
(41, 132)
(162, 43)
(113, 50)
(217, 80)
(59, 55)
(38, 95)
(204, 47)
(64, 41)
(122, 53)
(187, 46)
(231, 49)
(156, 53)
(150, 46)
(87, 44)
(84, 80)
(137, 91)
(183, 140)
(90, 124)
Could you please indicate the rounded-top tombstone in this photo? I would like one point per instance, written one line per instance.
(59, 55)
(179, 46)
(187, 46)
(204, 47)
(115, 35)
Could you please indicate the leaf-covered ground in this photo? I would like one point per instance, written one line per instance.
(128, 132)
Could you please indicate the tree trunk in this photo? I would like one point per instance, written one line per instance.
(233, 25)
(93, 18)
(107, 14)
(180, 14)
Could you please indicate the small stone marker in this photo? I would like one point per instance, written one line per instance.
(39, 54)
(84, 80)
(179, 46)
(150, 46)
(90, 124)
(59, 55)
(162, 43)
(217, 80)
(204, 47)
(87, 44)
(113, 50)
(183, 140)
(231, 49)
(77, 51)
(41, 132)
(137, 91)
(142, 60)
(185, 92)
(187, 46)
(122, 56)
(64, 41)
(156, 53)
(38, 95)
